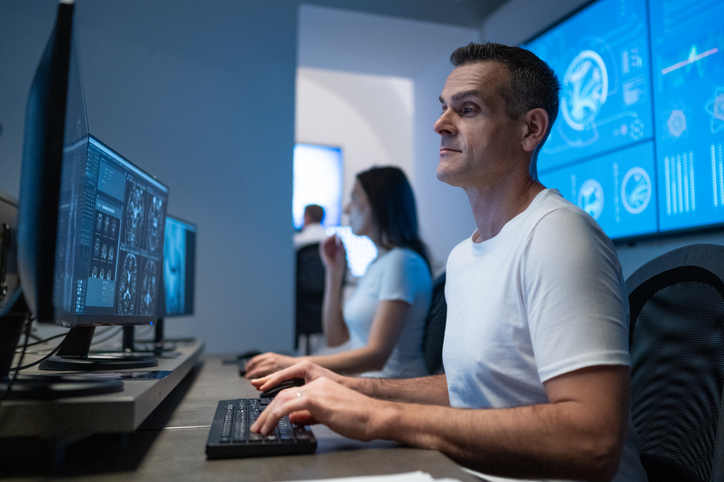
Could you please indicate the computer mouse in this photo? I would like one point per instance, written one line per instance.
(273, 391)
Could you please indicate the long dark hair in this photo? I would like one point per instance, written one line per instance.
(393, 208)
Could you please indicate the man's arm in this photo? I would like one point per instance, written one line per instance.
(430, 390)
(578, 435)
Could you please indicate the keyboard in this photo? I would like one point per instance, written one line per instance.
(230, 437)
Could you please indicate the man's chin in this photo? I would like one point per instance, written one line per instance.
(445, 174)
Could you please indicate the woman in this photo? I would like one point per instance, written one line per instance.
(385, 316)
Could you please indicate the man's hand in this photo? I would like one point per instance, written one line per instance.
(322, 400)
(267, 363)
(305, 370)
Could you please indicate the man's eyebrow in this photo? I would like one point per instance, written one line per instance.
(461, 95)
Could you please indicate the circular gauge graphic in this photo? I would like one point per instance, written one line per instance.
(584, 89)
(636, 190)
(676, 123)
(127, 285)
(148, 288)
(135, 212)
(154, 224)
(590, 198)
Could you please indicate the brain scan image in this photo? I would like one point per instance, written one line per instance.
(106, 225)
(103, 273)
(174, 267)
(94, 273)
(128, 285)
(590, 198)
(99, 222)
(584, 89)
(715, 108)
(114, 227)
(135, 213)
(108, 274)
(154, 224)
(148, 288)
(636, 190)
(110, 253)
(97, 247)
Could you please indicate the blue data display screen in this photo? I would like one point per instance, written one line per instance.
(617, 190)
(687, 46)
(601, 57)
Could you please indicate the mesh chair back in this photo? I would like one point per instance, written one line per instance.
(435, 327)
(677, 356)
(309, 291)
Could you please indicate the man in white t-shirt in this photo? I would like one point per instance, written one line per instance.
(536, 343)
(312, 230)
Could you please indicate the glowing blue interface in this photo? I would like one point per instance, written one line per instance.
(687, 40)
(618, 94)
(179, 265)
(601, 57)
(616, 189)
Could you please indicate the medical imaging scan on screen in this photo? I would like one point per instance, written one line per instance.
(111, 230)
(179, 259)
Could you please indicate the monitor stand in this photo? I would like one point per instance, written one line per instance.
(37, 387)
(73, 355)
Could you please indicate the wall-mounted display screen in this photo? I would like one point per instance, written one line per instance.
(318, 174)
(639, 135)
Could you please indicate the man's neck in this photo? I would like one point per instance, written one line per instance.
(494, 205)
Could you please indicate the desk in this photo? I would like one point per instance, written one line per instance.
(170, 445)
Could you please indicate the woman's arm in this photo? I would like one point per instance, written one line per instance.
(387, 325)
(334, 258)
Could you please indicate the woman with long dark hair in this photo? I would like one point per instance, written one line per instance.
(384, 318)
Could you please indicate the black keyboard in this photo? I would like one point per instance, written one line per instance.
(230, 436)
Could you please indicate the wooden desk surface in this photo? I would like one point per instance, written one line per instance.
(170, 445)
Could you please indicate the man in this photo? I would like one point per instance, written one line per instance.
(312, 230)
(536, 342)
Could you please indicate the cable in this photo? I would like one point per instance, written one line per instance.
(28, 325)
(37, 362)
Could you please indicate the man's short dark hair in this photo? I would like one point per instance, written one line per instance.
(533, 83)
(315, 212)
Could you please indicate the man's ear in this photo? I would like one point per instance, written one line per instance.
(535, 129)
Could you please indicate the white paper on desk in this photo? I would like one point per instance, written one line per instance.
(418, 476)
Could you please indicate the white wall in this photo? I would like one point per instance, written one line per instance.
(518, 20)
(200, 94)
(368, 116)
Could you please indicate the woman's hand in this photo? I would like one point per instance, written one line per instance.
(333, 254)
(267, 363)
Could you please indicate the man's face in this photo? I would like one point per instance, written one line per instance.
(477, 138)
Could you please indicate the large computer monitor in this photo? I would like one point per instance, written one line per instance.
(90, 223)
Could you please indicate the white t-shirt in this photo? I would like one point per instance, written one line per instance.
(399, 274)
(312, 233)
(542, 298)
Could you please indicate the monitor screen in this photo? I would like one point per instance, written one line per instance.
(179, 267)
(317, 180)
(639, 135)
(110, 243)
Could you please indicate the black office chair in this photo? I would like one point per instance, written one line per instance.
(677, 356)
(435, 328)
(309, 294)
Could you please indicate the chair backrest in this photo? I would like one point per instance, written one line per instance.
(309, 290)
(677, 357)
(435, 327)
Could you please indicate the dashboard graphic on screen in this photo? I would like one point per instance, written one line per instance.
(638, 139)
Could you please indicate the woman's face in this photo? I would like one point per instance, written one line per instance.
(360, 212)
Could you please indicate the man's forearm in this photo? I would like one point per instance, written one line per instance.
(542, 441)
(430, 390)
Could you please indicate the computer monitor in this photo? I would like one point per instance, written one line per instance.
(90, 223)
(317, 180)
(179, 267)
(179, 276)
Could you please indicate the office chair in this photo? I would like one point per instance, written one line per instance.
(435, 328)
(677, 363)
(309, 294)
